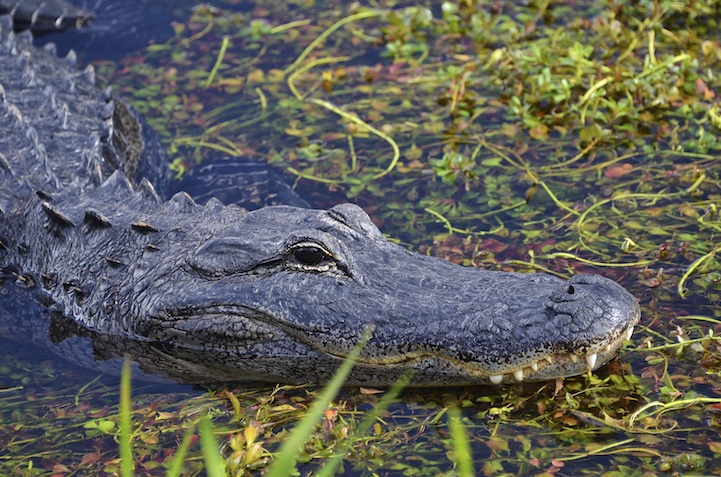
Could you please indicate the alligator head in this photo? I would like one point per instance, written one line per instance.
(283, 294)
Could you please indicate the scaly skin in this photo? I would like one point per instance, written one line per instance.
(45, 15)
(215, 293)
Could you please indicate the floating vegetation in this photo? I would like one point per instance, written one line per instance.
(558, 136)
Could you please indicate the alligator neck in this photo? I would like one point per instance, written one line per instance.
(90, 251)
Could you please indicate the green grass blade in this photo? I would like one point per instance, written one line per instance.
(214, 463)
(285, 460)
(461, 444)
(179, 458)
(330, 467)
(127, 466)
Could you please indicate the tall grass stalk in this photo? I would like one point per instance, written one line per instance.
(179, 458)
(460, 444)
(330, 467)
(127, 467)
(214, 463)
(285, 460)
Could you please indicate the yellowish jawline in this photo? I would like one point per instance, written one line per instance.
(526, 372)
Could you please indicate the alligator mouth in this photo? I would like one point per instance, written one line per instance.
(540, 364)
(558, 365)
(536, 366)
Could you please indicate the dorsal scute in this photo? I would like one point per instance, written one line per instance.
(119, 182)
(107, 115)
(6, 23)
(28, 73)
(89, 74)
(9, 45)
(50, 98)
(96, 218)
(92, 166)
(213, 205)
(71, 59)
(21, 60)
(24, 37)
(182, 203)
(15, 115)
(51, 48)
(57, 215)
(5, 165)
(39, 150)
(148, 190)
(108, 94)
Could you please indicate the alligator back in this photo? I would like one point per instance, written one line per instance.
(60, 131)
(45, 15)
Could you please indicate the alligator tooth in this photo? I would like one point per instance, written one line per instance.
(534, 366)
(608, 348)
(496, 379)
(591, 360)
(518, 374)
(629, 333)
(549, 358)
(574, 358)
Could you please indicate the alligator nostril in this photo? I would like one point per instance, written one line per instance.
(571, 290)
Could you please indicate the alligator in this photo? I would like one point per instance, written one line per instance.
(106, 29)
(213, 293)
(45, 15)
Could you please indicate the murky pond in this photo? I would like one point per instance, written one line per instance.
(563, 137)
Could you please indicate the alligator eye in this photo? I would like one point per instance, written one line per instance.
(310, 256)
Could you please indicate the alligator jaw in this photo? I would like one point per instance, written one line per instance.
(254, 326)
(541, 367)
(564, 364)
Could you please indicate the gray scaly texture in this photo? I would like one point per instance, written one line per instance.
(215, 293)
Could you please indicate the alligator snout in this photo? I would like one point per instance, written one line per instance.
(560, 328)
(595, 306)
(589, 316)
(581, 286)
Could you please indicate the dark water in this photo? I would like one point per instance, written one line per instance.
(46, 402)
(120, 28)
